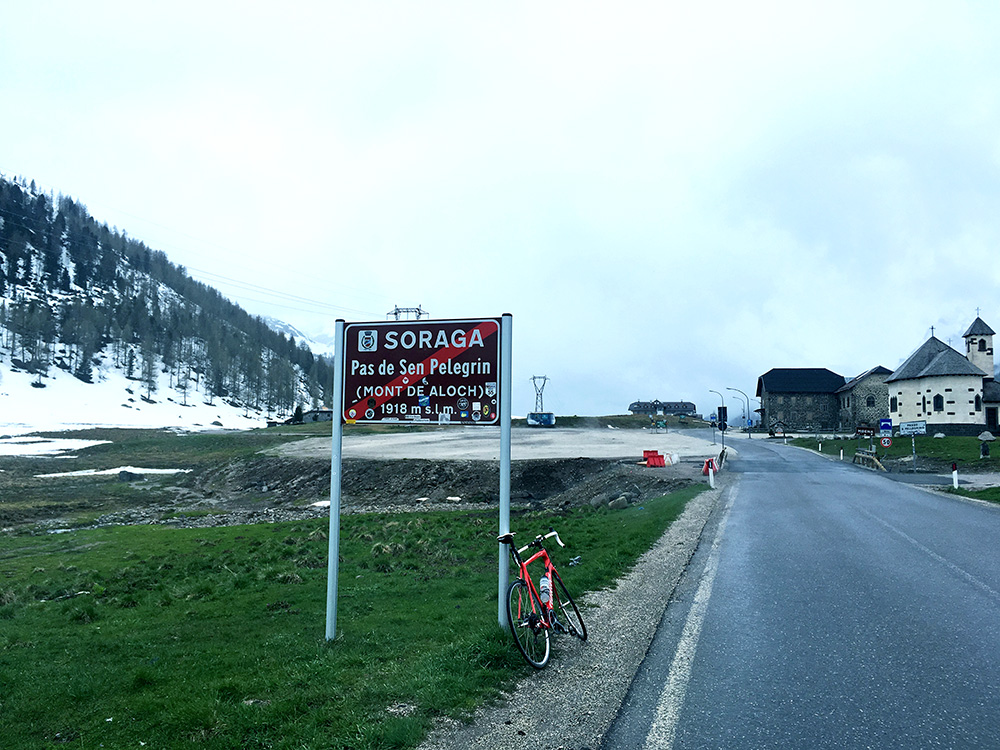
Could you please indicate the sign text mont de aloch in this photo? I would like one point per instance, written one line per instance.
(427, 371)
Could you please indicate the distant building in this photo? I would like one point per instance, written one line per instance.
(318, 415)
(952, 393)
(666, 408)
(864, 400)
(800, 398)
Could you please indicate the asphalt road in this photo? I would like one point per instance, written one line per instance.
(826, 607)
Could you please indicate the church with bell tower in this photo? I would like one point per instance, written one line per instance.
(954, 394)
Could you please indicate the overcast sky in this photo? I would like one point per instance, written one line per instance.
(669, 197)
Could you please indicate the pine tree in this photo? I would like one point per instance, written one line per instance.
(149, 374)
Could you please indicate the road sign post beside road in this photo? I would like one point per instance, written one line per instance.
(912, 429)
(448, 372)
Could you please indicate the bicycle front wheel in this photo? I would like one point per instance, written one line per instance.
(569, 613)
(524, 618)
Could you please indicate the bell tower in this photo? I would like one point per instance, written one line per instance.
(979, 346)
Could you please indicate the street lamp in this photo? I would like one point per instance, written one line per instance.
(720, 417)
(749, 433)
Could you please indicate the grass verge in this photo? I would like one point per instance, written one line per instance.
(962, 450)
(121, 636)
(990, 494)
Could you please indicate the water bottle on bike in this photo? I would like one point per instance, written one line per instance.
(544, 589)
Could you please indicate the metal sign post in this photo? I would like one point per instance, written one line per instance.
(333, 563)
(448, 372)
(913, 429)
(505, 378)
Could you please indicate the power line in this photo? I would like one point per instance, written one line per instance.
(240, 284)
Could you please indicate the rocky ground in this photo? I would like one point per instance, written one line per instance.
(418, 471)
(272, 488)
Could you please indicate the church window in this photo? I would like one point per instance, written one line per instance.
(923, 403)
(979, 402)
(938, 402)
(870, 402)
(893, 404)
(982, 345)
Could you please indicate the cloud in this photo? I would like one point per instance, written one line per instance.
(669, 197)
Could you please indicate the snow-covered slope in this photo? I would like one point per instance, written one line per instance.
(321, 346)
(66, 403)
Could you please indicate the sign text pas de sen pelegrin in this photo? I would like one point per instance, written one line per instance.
(428, 371)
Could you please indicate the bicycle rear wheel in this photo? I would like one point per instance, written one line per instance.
(567, 611)
(524, 618)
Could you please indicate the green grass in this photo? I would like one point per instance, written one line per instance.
(26, 497)
(990, 494)
(962, 450)
(215, 637)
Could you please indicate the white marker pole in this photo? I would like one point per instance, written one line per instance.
(954, 477)
(711, 477)
(505, 376)
(333, 563)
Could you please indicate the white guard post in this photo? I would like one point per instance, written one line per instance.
(505, 377)
(333, 564)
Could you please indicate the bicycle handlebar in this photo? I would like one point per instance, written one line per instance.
(537, 541)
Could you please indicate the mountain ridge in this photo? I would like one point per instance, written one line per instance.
(80, 299)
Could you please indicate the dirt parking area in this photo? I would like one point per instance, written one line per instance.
(460, 466)
(483, 444)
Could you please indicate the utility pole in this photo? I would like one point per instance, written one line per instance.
(722, 416)
(405, 313)
(535, 381)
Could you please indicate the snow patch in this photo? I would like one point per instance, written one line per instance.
(31, 446)
(110, 472)
(112, 400)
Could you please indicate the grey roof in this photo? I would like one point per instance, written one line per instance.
(978, 328)
(934, 357)
(799, 380)
(991, 391)
(854, 382)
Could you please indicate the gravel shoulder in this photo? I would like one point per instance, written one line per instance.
(572, 703)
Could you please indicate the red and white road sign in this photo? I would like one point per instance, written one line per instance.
(886, 442)
(420, 371)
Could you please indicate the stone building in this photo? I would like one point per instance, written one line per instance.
(864, 400)
(953, 394)
(800, 398)
(656, 407)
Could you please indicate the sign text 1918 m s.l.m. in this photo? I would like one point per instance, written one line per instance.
(425, 371)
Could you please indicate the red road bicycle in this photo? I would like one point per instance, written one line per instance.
(535, 611)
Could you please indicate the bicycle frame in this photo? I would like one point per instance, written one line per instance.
(547, 615)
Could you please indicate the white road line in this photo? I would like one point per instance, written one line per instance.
(668, 710)
(956, 569)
